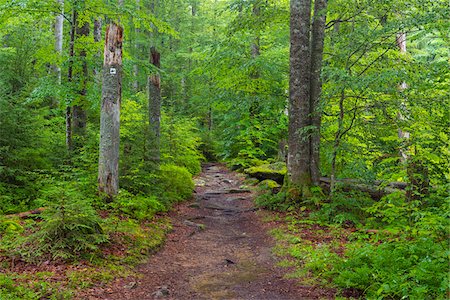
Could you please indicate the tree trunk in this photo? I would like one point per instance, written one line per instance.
(137, 52)
(69, 143)
(403, 135)
(79, 116)
(337, 142)
(75, 113)
(97, 38)
(154, 108)
(299, 171)
(59, 27)
(108, 166)
(317, 44)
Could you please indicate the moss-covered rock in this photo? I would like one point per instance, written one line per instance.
(271, 185)
(275, 172)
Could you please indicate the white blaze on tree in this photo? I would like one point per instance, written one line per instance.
(108, 166)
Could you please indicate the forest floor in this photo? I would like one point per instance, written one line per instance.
(219, 249)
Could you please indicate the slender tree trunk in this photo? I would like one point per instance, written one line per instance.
(79, 116)
(108, 166)
(69, 143)
(317, 44)
(154, 108)
(97, 38)
(59, 28)
(136, 54)
(337, 142)
(299, 171)
(403, 135)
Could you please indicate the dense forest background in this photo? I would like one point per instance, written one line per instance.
(224, 73)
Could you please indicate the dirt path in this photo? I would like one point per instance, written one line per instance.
(217, 250)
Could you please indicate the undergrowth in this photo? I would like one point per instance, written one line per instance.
(387, 249)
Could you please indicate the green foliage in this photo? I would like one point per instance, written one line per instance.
(180, 142)
(175, 183)
(138, 207)
(409, 269)
(346, 208)
(273, 202)
(9, 226)
(70, 227)
(9, 290)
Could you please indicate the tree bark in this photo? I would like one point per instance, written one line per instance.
(69, 143)
(299, 171)
(97, 38)
(154, 108)
(59, 27)
(108, 167)
(317, 44)
(403, 135)
(79, 116)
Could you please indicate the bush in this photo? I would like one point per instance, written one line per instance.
(70, 227)
(407, 269)
(345, 207)
(176, 183)
(180, 143)
(139, 207)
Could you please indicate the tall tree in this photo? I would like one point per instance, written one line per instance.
(154, 107)
(154, 96)
(77, 76)
(108, 166)
(59, 27)
(304, 94)
(317, 44)
(299, 161)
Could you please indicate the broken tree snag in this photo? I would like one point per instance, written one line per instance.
(154, 107)
(108, 163)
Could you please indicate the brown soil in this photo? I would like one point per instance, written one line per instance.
(219, 249)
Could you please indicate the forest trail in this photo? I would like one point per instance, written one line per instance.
(218, 249)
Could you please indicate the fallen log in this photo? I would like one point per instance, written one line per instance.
(27, 214)
(376, 190)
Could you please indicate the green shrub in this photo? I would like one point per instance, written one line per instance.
(70, 227)
(272, 201)
(180, 142)
(139, 207)
(345, 207)
(176, 183)
(400, 270)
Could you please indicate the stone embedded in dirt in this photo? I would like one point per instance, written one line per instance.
(131, 285)
(214, 193)
(229, 261)
(227, 181)
(238, 191)
(192, 224)
(194, 205)
(199, 182)
(162, 291)
(213, 169)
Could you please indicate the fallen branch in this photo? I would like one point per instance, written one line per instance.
(27, 214)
